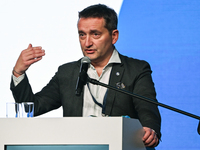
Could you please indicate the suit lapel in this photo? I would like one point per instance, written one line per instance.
(115, 77)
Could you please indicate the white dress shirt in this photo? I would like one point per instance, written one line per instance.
(98, 92)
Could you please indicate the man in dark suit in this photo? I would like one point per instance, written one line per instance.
(97, 29)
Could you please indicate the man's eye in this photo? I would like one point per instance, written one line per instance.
(96, 35)
(81, 35)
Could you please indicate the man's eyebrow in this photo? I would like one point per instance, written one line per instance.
(93, 31)
(80, 31)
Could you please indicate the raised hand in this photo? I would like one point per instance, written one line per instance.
(27, 58)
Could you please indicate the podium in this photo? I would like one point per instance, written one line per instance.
(109, 133)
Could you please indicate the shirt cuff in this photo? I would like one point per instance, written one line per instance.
(17, 80)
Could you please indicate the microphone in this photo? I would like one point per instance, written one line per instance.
(82, 78)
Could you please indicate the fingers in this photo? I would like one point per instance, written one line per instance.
(32, 54)
(150, 138)
(30, 45)
(28, 57)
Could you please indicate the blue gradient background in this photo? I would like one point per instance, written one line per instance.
(166, 33)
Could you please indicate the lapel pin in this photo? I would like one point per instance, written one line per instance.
(120, 85)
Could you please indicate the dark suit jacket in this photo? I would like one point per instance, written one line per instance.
(60, 91)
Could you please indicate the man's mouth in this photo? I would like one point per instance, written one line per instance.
(90, 51)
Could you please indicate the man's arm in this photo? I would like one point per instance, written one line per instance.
(148, 113)
(20, 86)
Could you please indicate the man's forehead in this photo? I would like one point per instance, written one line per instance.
(91, 23)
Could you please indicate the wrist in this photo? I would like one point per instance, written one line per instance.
(17, 73)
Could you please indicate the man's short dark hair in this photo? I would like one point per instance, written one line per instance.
(101, 11)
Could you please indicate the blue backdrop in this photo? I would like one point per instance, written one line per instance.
(166, 33)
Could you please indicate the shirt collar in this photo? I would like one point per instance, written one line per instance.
(114, 58)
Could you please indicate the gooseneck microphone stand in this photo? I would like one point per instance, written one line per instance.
(93, 81)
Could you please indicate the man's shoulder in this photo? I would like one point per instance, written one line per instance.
(132, 61)
(69, 68)
(71, 65)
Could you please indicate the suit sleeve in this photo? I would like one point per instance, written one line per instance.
(148, 113)
(45, 100)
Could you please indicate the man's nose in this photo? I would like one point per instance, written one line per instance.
(88, 41)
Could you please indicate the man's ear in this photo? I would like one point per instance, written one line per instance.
(115, 35)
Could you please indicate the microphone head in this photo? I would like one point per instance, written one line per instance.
(85, 60)
(82, 78)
